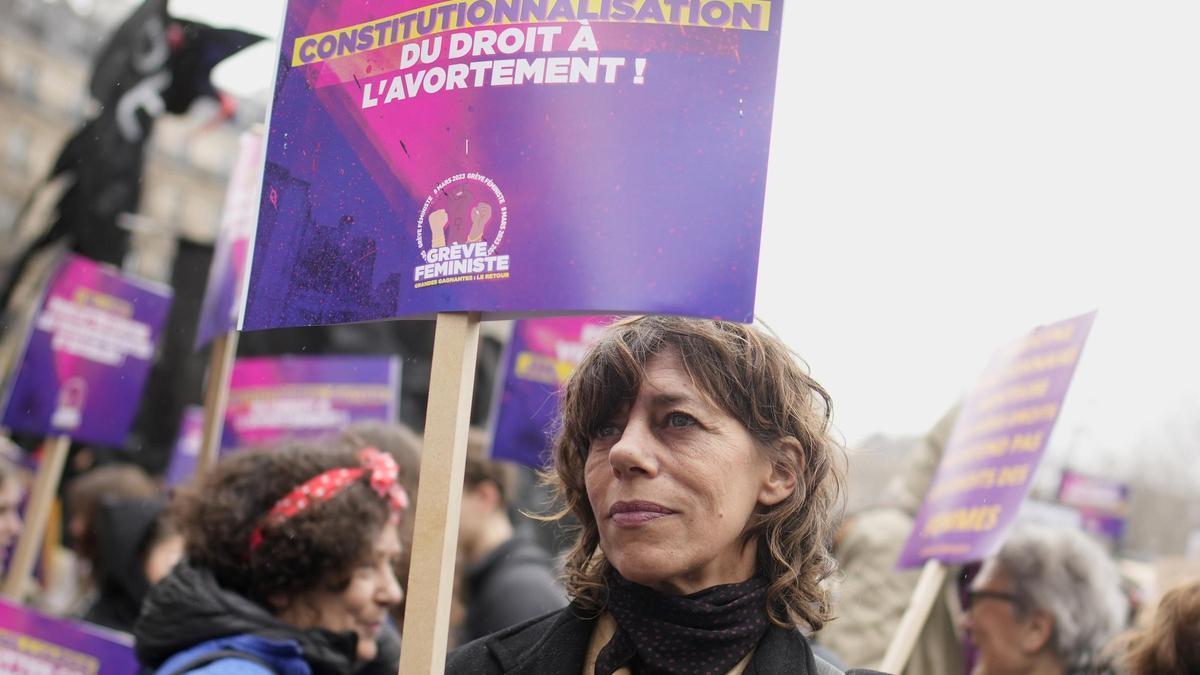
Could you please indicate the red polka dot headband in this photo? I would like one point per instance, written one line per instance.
(378, 467)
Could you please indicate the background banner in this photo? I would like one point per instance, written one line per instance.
(186, 453)
(88, 354)
(227, 274)
(302, 396)
(33, 643)
(1101, 502)
(542, 354)
(996, 446)
(582, 156)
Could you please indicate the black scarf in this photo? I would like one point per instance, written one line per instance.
(705, 632)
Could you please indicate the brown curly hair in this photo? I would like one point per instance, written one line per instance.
(317, 548)
(752, 376)
(1170, 644)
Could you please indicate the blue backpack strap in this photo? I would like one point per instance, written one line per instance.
(218, 654)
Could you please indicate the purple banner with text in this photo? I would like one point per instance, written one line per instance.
(1101, 502)
(33, 643)
(273, 398)
(88, 354)
(508, 156)
(542, 354)
(996, 446)
(227, 274)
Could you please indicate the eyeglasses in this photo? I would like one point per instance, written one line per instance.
(973, 596)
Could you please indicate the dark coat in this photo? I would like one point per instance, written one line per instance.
(189, 608)
(512, 584)
(557, 643)
(123, 530)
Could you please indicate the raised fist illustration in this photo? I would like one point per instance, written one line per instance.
(437, 227)
(480, 215)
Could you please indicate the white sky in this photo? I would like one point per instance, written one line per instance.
(946, 175)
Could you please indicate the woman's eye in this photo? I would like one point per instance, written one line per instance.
(679, 420)
(606, 431)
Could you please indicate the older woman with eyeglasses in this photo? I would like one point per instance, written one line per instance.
(697, 459)
(1046, 604)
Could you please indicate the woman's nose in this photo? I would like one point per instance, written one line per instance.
(634, 453)
(391, 593)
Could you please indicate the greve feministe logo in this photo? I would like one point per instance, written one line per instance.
(461, 225)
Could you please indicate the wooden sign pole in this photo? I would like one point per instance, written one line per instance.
(929, 587)
(216, 398)
(439, 497)
(37, 514)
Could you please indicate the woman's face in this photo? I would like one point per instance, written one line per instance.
(673, 482)
(362, 607)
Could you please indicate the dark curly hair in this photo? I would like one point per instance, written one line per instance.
(317, 548)
(754, 377)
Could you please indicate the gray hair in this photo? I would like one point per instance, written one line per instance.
(1068, 575)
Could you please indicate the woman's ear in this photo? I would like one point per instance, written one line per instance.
(787, 463)
(1038, 629)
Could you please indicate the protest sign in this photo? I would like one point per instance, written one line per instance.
(227, 274)
(271, 398)
(542, 354)
(996, 445)
(1102, 503)
(33, 643)
(186, 454)
(88, 354)
(506, 156)
(988, 465)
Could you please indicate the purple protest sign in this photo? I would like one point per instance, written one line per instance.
(88, 354)
(271, 398)
(542, 354)
(186, 452)
(34, 643)
(227, 274)
(505, 156)
(1101, 502)
(996, 445)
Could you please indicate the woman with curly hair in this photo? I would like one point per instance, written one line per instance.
(697, 459)
(289, 566)
(1170, 643)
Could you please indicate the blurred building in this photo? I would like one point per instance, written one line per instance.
(46, 53)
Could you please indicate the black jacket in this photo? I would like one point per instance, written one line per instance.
(189, 607)
(557, 643)
(512, 584)
(123, 530)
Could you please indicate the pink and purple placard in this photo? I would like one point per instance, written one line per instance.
(274, 398)
(542, 354)
(996, 445)
(88, 354)
(1102, 503)
(227, 274)
(512, 156)
(34, 643)
(186, 453)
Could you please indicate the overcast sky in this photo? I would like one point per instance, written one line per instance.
(944, 176)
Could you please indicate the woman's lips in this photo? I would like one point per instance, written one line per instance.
(632, 514)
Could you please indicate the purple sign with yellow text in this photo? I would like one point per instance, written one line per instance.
(34, 643)
(542, 354)
(88, 354)
(507, 156)
(996, 446)
(273, 398)
(227, 274)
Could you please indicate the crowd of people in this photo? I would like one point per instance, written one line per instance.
(695, 470)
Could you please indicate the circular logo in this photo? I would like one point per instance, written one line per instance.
(466, 208)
